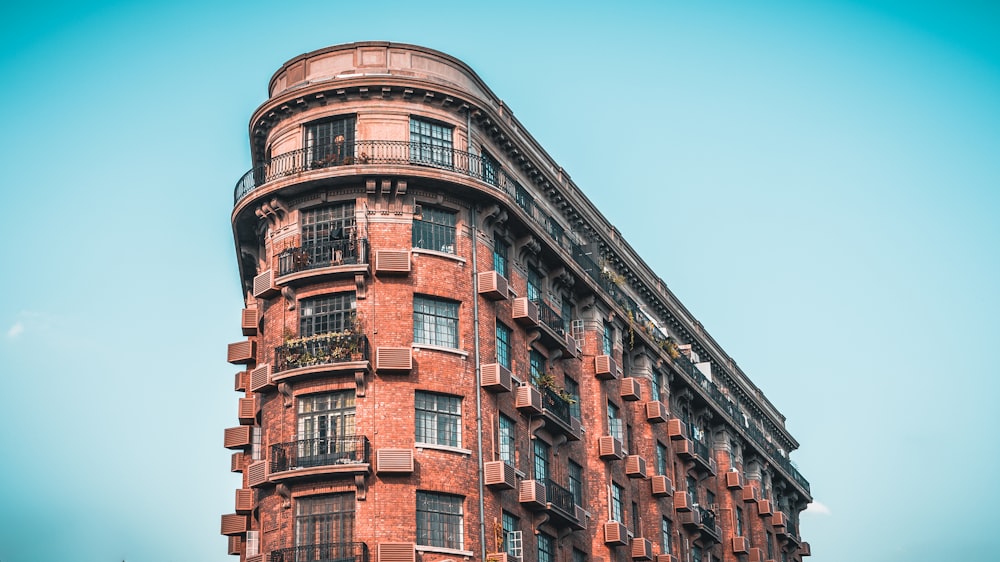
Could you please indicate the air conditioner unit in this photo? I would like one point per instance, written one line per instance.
(675, 429)
(662, 486)
(260, 379)
(499, 475)
(495, 377)
(605, 367)
(682, 502)
(234, 524)
(764, 508)
(247, 410)
(635, 466)
(642, 549)
(524, 312)
(397, 359)
(734, 480)
(531, 494)
(250, 321)
(492, 285)
(395, 552)
(257, 474)
(610, 448)
(241, 352)
(244, 500)
(630, 390)
(740, 545)
(394, 461)
(392, 262)
(615, 534)
(237, 437)
(528, 399)
(656, 412)
(241, 381)
(264, 287)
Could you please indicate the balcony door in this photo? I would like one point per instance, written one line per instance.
(324, 527)
(326, 429)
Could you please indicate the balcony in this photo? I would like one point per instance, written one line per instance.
(327, 258)
(702, 521)
(553, 499)
(319, 456)
(703, 458)
(788, 530)
(326, 552)
(321, 353)
(554, 334)
(556, 413)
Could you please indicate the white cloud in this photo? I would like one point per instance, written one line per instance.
(818, 508)
(15, 330)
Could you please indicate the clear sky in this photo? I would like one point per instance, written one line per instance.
(819, 183)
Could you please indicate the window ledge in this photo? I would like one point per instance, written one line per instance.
(446, 255)
(447, 448)
(429, 347)
(441, 549)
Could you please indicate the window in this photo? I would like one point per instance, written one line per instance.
(665, 532)
(439, 520)
(573, 390)
(256, 445)
(253, 543)
(523, 198)
(506, 440)
(657, 386)
(510, 526)
(635, 516)
(328, 238)
(541, 460)
(739, 521)
(546, 548)
(435, 230)
(617, 507)
(430, 142)
(536, 364)
(607, 339)
(614, 422)
(576, 482)
(503, 344)
(435, 322)
(579, 556)
(326, 314)
(326, 429)
(324, 523)
(491, 169)
(438, 419)
(770, 546)
(695, 553)
(566, 312)
(330, 142)
(661, 458)
(692, 490)
(534, 285)
(500, 251)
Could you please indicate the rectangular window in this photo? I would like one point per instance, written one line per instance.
(770, 546)
(567, 315)
(657, 386)
(326, 314)
(326, 430)
(491, 169)
(435, 322)
(665, 535)
(661, 458)
(253, 543)
(324, 523)
(692, 490)
(330, 142)
(546, 548)
(328, 238)
(506, 440)
(536, 365)
(430, 142)
(607, 341)
(617, 505)
(438, 419)
(695, 553)
(501, 249)
(579, 556)
(739, 521)
(635, 517)
(439, 520)
(511, 527)
(576, 482)
(615, 422)
(435, 230)
(534, 292)
(524, 199)
(573, 390)
(256, 445)
(503, 344)
(541, 460)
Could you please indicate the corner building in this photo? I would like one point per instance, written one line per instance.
(450, 354)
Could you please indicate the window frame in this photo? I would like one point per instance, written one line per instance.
(437, 419)
(507, 439)
(501, 256)
(616, 507)
(435, 321)
(435, 229)
(432, 142)
(504, 335)
(322, 152)
(438, 527)
(339, 314)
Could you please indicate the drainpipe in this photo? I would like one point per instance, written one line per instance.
(479, 404)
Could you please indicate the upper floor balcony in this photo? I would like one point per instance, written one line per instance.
(324, 258)
(319, 456)
(557, 415)
(333, 351)
(555, 500)
(324, 552)
(703, 521)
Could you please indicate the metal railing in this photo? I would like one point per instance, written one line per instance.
(556, 405)
(319, 451)
(325, 552)
(560, 497)
(549, 317)
(323, 254)
(323, 349)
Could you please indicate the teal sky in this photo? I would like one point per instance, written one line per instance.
(818, 182)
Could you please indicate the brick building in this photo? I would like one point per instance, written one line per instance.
(450, 354)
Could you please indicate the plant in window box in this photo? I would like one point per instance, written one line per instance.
(668, 345)
(546, 380)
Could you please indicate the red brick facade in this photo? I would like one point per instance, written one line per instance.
(366, 424)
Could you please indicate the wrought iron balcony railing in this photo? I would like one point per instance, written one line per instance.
(322, 349)
(323, 254)
(326, 552)
(559, 497)
(549, 317)
(319, 451)
(556, 405)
